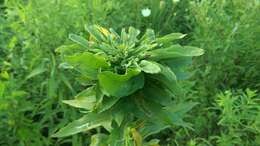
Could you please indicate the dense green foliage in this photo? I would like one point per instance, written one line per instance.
(37, 75)
(130, 83)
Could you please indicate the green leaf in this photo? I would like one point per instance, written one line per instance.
(149, 67)
(116, 137)
(168, 78)
(99, 140)
(174, 52)
(85, 99)
(179, 62)
(168, 73)
(87, 122)
(150, 128)
(113, 84)
(160, 117)
(148, 37)
(80, 40)
(119, 116)
(178, 111)
(69, 49)
(170, 37)
(95, 33)
(37, 71)
(157, 93)
(179, 66)
(107, 103)
(88, 64)
(155, 117)
(133, 33)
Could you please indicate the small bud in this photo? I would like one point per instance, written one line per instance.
(146, 12)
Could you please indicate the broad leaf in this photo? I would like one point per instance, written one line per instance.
(163, 117)
(178, 112)
(168, 78)
(170, 37)
(179, 62)
(107, 103)
(168, 73)
(157, 93)
(175, 51)
(155, 117)
(87, 63)
(179, 66)
(87, 122)
(85, 99)
(113, 84)
(149, 67)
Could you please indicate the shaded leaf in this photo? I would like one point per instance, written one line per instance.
(151, 128)
(157, 93)
(179, 62)
(113, 84)
(107, 103)
(178, 112)
(179, 66)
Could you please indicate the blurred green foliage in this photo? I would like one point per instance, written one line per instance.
(32, 85)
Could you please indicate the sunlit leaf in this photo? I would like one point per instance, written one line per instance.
(87, 122)
(80, 40)
(170, 37)
(85, 99)
(149, 67)
(88, 64)
(175, 51)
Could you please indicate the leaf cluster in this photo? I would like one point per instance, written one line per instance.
(130, 81)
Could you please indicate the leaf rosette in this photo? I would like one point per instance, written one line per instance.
(131, 82)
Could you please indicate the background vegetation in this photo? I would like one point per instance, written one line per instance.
(225, 80)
